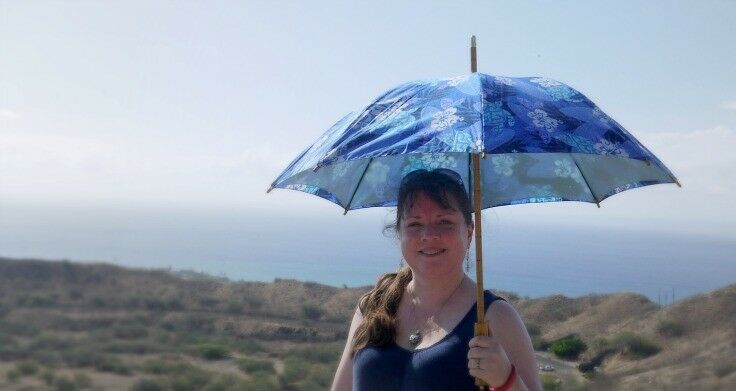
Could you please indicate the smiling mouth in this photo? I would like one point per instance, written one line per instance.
(432, 253)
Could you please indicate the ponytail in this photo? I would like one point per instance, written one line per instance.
(378, 307)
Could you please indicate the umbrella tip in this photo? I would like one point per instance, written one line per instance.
(269, 189)
(345, 212)
(678, 183)
(472, 41)
(599, 204)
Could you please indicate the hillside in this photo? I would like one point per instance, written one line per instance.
(65, 325)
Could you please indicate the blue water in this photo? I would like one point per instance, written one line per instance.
(529, 259)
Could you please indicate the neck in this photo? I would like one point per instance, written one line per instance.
(432, 294)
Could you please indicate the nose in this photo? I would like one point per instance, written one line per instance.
(430, 231)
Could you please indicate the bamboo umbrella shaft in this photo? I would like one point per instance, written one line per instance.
(481, 327)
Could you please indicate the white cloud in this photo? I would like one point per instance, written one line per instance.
(49, 167)
(730, 105)
(8, 114)
(40, 166)
(704, 158)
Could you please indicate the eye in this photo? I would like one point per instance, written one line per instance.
(446, 222)
(413, 225)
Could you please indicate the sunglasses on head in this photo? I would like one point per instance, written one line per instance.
(444, 171)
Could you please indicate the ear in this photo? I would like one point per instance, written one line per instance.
(471, 229)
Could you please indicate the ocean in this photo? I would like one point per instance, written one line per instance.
(528, 259)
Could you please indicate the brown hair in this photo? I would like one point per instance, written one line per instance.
(380, 304)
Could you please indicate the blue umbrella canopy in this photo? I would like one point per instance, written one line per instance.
(542, 141)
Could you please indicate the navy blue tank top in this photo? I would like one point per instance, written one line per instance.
(442, 366)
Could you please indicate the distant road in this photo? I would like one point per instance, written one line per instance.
(566, 370)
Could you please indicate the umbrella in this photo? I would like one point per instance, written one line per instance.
(513, 140)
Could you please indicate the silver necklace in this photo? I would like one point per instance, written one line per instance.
(415, 338)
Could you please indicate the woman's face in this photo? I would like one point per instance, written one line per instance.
(434, 239)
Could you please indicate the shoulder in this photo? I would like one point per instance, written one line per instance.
(501, 314)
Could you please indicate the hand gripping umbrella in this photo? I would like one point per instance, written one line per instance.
(515, 140)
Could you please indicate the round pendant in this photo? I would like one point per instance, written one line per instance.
(415, 338)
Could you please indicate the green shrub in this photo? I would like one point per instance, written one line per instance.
(540, 343)
(100, 302)
(133, 347)
(63, 383)
(45, 357)
(224, 382)
(113, 365)
(147, 385)
(156, 367)
(723, 369)
(634, 346)
(311, 311)
(81, 357)
(211, 351)
(234, 307)
(248, 346)
(533, 329)
(600, 344)
(208, 302)
(130, 331)
(550, 382)
(48, 377)
(251, 365)
(193, 322)
(37, 300)
(193, 379)
(26, 368)
(295, 370)
(261, 382)
(319, 378)
(9, 349)
(21, 329)
(320, 353)
(159, 367)
(568, 347)
(75, 294)
(253, 302)
(50, 342)
(82, 380)
(160, 303)
(13, 375)
(670, 328)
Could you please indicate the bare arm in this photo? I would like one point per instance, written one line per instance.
(344, 376)
(510, 332)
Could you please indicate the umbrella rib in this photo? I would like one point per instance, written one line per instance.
(585, 179)
(482, 120)
(357, 185)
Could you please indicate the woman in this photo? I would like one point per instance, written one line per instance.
(414, 329)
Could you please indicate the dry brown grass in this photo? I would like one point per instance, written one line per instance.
(133, 315)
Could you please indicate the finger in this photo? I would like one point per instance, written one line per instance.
(479, 353)
(476, 372)
(481, 341)
(475, 364)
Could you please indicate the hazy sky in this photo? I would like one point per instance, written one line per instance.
(202, 104)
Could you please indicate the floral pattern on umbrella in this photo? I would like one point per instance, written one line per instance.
(544, 142)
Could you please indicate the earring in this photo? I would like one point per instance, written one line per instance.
(467, 260)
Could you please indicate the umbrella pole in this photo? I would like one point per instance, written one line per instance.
(481, 327)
